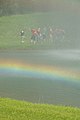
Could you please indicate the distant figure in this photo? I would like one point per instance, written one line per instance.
(51, 34)
(44, 33)
(39, 35)
(34, 36)
(59, 34)
(22, 36)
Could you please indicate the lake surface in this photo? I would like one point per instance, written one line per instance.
(40, 90)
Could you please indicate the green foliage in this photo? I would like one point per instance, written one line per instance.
(21, 110)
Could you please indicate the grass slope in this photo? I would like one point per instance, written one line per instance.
(20, 110)
(10, 27)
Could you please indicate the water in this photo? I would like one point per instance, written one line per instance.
(60, 92)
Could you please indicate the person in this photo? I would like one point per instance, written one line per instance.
(34, 36)
(39, 35)
(22, 36)
(44, 33)
(50, 34)
(60, 34)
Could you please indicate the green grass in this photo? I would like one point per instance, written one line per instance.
(10, 27)
(21, 110)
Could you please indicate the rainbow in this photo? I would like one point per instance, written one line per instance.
(21, 69)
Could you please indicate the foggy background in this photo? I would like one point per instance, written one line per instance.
(8, 7)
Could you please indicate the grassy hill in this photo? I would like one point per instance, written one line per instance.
(10, 27)
(21, 110)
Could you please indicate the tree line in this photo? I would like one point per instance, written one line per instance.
(8, 7)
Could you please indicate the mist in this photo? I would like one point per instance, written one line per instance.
(58, 53)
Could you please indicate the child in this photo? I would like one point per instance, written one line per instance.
(22, 36)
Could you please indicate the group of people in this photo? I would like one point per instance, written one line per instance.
(37, 35)
(46, 34)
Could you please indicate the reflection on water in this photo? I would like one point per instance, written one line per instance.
(40, 90)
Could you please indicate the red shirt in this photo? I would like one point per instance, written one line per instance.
(34, 31)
